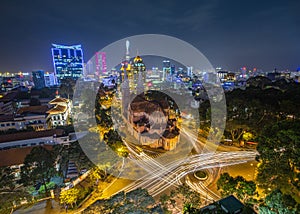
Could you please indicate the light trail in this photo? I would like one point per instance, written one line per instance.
(160, 179)
(160, 176)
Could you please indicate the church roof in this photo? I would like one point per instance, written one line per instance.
(143, 106)
(137, 59)
(170, 135)
(153, 136)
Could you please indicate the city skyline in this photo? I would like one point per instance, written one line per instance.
(229, 34)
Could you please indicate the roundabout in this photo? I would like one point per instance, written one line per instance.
(200, 175)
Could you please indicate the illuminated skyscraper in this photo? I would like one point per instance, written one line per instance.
(126, 64)
(100, 63)
(190, 71)
(166, 69)
(67, 61)
(138, 66)
(50, 79)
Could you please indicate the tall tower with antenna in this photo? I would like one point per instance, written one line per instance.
(127, 56)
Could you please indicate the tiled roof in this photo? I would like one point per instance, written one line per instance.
(30, 135)
(6, 118)
(140, 104)
(144, 106)
(33, 109)
(57, 109)
(170, 135)
(16, 156)
(59, 100)
(9, 97)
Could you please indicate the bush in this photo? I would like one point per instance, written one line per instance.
(50, 185)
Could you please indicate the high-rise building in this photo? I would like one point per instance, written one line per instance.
(50, 79)
(38, 79)
(138, 66)
(67, 61)
(172, 69)
(166, 69)
(190, 71)
(96, 67)
(100, 63)
(126, 65)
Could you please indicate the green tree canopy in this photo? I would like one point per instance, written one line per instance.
(238, 186)
(136, 201)
(6, 178)
(38, 167)
(277, 202)
(191, 199)
(70, 196)
(279, 153)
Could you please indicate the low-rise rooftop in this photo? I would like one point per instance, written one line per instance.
(16, 156)
(33, 109)
(30, 135)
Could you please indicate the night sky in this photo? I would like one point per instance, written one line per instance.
(231, 34)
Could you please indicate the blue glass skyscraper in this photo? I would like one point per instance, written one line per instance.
(67, 61)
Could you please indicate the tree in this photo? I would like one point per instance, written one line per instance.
(114, 141)
(9, 199)
(245, 189)
(277, 202)
(103, 118)
(238, 186)
(279, 152)
(189, 196)
(70, 196)
(190, 199)
(6, 178)
(67, 87)
(38, 167)
(189, 209)
(99, 172)
(253, 108)
(226, 184)
(136, 201)
(88, 97)
(99, 153)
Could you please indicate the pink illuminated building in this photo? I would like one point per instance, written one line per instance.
(100, 61)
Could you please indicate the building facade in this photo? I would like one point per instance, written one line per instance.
(67, 61)
(100, 58)
(50, 79)
(26, 117)
(59, 114)
(38, 79)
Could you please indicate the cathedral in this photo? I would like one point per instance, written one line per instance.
(152, 122)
